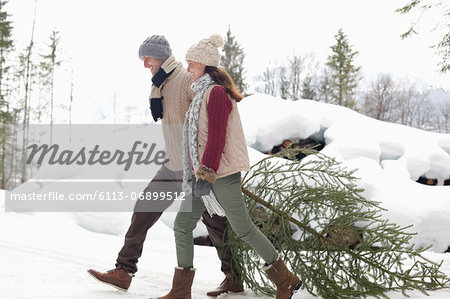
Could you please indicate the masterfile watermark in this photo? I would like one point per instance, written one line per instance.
(100, 168)
(97, 156)
(97, 195)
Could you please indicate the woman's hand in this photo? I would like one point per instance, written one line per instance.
(201, 187)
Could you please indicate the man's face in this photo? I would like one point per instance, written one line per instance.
(154, 64)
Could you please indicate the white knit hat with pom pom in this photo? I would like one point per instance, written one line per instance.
(205, 51)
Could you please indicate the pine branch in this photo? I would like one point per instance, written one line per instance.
(333, 238)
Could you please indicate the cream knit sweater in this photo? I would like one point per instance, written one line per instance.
(178, 95)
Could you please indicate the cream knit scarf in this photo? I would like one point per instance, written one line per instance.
(190, 151)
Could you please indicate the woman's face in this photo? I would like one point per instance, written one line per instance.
(195, 69)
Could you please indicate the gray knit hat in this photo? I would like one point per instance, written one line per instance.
(205, 51)
(155, 46)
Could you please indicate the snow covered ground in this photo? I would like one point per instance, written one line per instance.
(45, 255)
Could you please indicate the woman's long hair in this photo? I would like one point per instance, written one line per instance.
(221, 77)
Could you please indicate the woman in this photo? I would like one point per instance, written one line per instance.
(215, 152)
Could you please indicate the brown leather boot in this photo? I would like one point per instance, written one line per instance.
(181, 284)
(287, 282)
(117, 278)
(228, 285)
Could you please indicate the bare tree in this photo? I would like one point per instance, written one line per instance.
(269, 80)
(71, 98)
(324, 88)
(295, 80)
(378, 102)
(47, 68)
(404, 103)
(403, 106)
(445, 118)
(295, 67)
(312, 78)
(309, 88)
(424, 114)
(283, 82)
(26, 107)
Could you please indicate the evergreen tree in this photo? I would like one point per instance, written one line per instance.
(6, 45)
(326, 232)
(344, 74)
(5, 120)
(233, 61)
(440, 26)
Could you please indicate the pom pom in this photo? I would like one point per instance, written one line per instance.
(216, 40)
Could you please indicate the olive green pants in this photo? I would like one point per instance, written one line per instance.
(228, 193)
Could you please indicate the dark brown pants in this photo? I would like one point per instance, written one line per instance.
(165, 181)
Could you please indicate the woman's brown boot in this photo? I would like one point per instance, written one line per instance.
(287, 282)
(181, 284)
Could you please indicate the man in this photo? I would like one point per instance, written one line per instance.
(170, 98)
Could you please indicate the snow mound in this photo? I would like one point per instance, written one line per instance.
(389, 157)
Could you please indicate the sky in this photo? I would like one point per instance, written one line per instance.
(101, 39)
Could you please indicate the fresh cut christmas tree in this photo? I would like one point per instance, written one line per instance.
(334, 239)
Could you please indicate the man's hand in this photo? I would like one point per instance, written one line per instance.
(157, 108)
(201, 187)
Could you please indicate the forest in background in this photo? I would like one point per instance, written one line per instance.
(30, 76)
